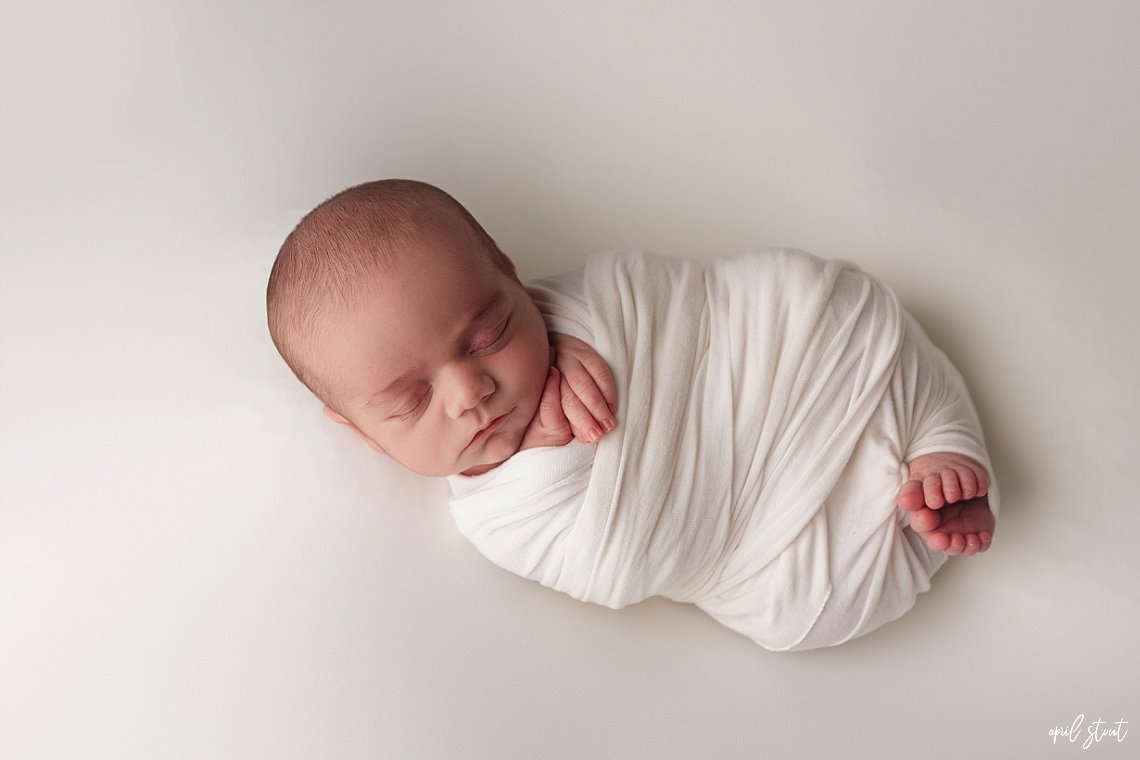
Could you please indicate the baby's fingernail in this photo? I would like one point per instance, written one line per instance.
(607, 425)
(593, 435)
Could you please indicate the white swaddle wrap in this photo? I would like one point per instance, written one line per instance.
(753, 391)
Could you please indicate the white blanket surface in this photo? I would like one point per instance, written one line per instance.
(764, 401)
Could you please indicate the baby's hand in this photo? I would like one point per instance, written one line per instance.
(589, 398)
(549, 426)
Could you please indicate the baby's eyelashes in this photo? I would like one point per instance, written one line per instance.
(420, 401)
(492, 339)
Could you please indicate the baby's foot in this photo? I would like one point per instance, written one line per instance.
(946, 496)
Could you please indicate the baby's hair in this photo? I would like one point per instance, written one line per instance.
(337, 251)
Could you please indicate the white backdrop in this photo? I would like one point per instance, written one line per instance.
(196, 563)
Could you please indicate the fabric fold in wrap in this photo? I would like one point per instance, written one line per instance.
(753, 393)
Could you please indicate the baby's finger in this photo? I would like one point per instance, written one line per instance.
(582, 423)
(600, 372)
(588, 392)
(550, 405)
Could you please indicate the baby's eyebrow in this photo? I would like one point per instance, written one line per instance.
(488, 307)
(394, 386)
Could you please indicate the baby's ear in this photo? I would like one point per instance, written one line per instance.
(338, 418)
(335, 417)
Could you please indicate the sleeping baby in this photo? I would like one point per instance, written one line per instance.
(770, 437)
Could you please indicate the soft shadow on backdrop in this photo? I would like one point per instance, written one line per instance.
(195, 563)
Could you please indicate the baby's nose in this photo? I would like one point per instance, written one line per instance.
(469, 386)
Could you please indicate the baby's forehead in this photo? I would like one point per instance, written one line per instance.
(411, 292)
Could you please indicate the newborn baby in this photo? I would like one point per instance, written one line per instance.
(791, 454)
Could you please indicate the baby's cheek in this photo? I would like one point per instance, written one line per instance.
(530, 361)
(527, 396)
(537, 372)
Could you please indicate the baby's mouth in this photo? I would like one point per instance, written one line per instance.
(491, 427)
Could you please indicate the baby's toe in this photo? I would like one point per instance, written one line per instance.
(932, 489)
(957, 544)
(951, 489)
(925, 520)
(910, 496)
(986, 539)
(983, 481)
(938, 541)
(973, 545)
(968, 481)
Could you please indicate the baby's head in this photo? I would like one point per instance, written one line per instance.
(399, 312)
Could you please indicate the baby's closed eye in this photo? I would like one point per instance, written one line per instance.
(491, 339)
(419, 402)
